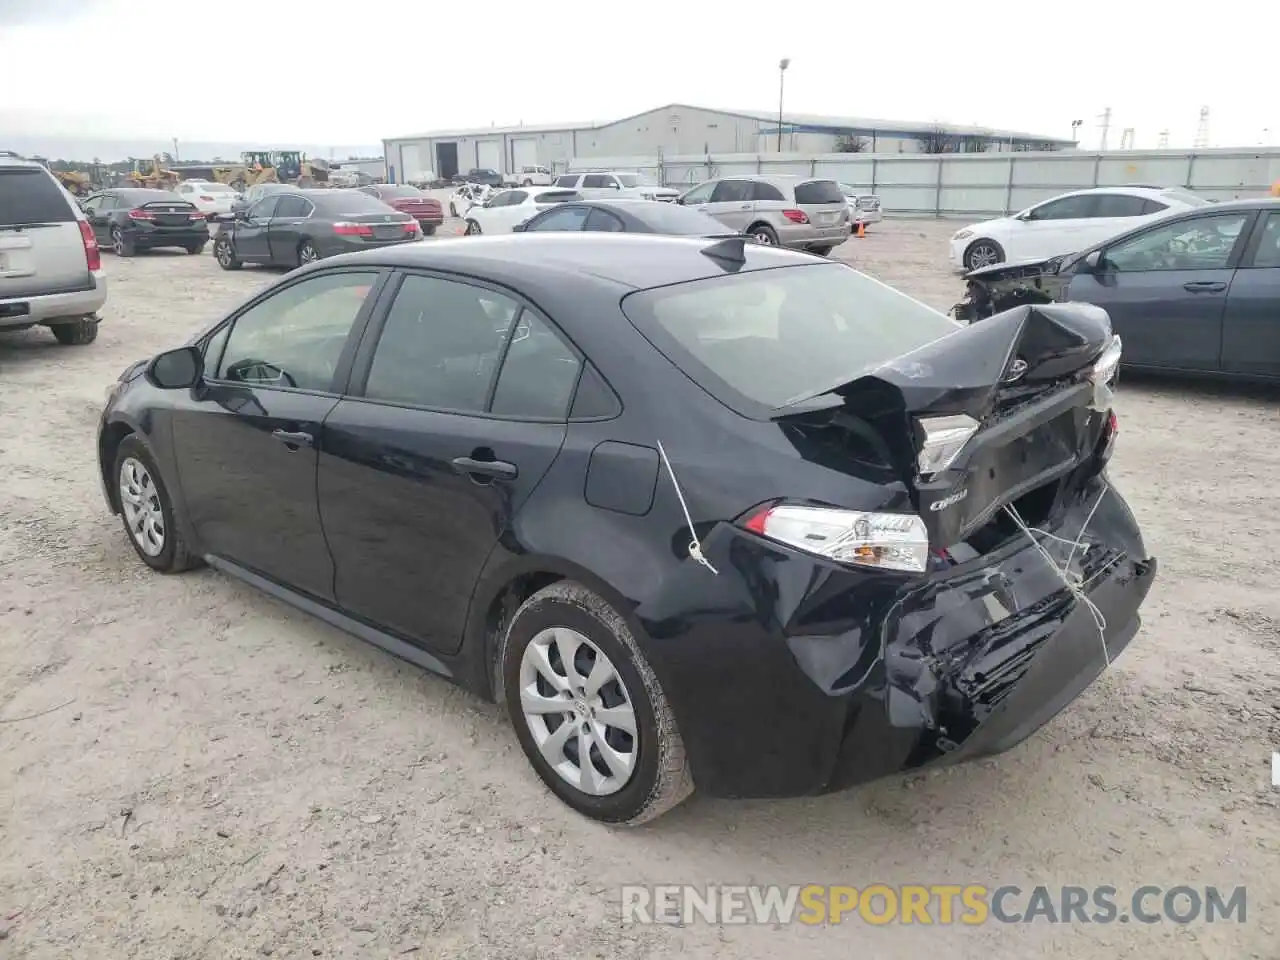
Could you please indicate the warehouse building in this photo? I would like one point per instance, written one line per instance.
(681, 130)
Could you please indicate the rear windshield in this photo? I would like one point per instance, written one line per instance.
(758, 340)
(402, 191)
(819, 191)
(344, 202)
(142, 196)
(557, 196)
(1183, 196)
(28, 195)
(634, 180)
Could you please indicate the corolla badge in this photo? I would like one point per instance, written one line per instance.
(945, 502)
(1017, 370)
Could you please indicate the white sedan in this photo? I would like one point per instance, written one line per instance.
(1065, 224)
(505, 209)
(210, 198)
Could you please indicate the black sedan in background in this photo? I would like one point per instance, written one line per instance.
(625, 216)
(129, 219)
(291, 227)
(692, 511)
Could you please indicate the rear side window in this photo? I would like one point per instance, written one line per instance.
(566, 218)
(597, 180)
(440, 345)
(765, 191)
(602, 221)
(1065, 208)
(538, 373)
(819, 191)
(570, 181)
(293, 207)
(758, 340)
(1119, 205)
(30, 195)
(1153, 206)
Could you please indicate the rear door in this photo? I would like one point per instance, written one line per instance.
(733, 203)
(433, 451)
(285, 230)
(1251, 322)
(1166, 288)
(41, 247)
(822, 202)
(1113, 214)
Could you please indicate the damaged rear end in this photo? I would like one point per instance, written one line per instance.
(1036, 568)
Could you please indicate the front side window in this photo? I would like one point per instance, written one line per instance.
(293, 207)
(602, 221)
(440, 345)
(294, 338)
(765, 191)
(264, 208)
(1204, 243)
(733, 191)
(699, 194)
(1268, 252)
(1066, 208)
(569, 181)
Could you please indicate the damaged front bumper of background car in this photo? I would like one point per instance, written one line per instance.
(994, 289)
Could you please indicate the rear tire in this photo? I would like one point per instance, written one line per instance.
(307, 253)
(122, 245)
(428, 229)
(147, 491)
(76, 333)
(225, 254)
(195, 248)
(566, 616)
(764, 234)
(453, 210)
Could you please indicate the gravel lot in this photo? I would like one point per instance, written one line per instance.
(220, 776)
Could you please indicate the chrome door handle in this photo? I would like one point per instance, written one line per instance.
(293, 440)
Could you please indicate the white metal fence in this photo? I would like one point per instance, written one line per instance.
(969, 185)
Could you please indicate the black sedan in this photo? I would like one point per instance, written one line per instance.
(293, 227)
(693, 512)
(129, 219)
(625, 216)
(1194, 293)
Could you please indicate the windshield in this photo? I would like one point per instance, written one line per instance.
(634, 180)
(758, 340)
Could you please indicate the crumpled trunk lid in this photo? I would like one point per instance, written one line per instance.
(1018, 396)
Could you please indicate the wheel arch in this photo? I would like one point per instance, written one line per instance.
(109, 439)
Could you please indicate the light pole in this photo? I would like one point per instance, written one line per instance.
(782, 74)
(1076, 125)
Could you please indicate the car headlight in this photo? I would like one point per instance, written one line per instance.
(963, 235)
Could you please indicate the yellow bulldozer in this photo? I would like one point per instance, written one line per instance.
(157, 178)
(272, 166)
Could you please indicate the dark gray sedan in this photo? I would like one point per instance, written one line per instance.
(292, 227)
(626, 216)
(1196, 292)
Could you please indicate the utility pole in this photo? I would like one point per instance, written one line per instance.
(1202, 130)
(1126, 138)
(1105, 124)
(1076, 125)
(175, 149)
(782, 74)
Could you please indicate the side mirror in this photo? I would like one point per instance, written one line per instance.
(242, 214)
(1094, 261)
(518, 228)
(177, 369)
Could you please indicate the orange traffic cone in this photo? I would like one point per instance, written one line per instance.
(862, 230)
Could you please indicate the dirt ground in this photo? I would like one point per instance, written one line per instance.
(189, 769)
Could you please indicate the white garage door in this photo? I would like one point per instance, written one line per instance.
(410, 162)
(524, 152)
(489, 155)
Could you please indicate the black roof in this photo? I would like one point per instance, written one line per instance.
(635, 261)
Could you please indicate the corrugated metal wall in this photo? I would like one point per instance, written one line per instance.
(972, 185)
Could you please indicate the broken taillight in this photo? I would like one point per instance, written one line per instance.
(944, 438)
(884, 541)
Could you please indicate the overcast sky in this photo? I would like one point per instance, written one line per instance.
(330, 71)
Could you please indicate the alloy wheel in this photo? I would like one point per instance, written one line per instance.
(578, 711)
(117, 241)
(983, 255)
(763, 236)
(222, 251)
(308, 254)
(140, 501)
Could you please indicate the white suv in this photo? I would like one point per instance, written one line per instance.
(602, 186)
(50, 266)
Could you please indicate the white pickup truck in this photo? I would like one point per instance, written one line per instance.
(537, 176)
(605, 184)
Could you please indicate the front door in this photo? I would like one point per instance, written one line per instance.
(246, 442)
(733, 204)
(1055, 227)
(1251, 324)
(97, 210)
(423, 468)
(251, 235)
(1166, 289)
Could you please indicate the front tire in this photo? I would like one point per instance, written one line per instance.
(983, 253)
(577, 688)
(473, 229)
(76, 333)
(146, 509)
(225, 254)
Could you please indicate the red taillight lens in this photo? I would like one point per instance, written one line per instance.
(92, 255)
(195, 215)
(141, 215)
(796, 216)
(1114, 422)
(345, 229)
(411, 226)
